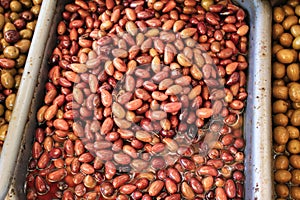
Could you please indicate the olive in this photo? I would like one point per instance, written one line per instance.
(7, 80)
(294, 92)
(280, 135)
(293, 146)
(11, 52)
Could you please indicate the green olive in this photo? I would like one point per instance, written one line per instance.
(36, 9)
(206, 3)
(26, 3)
(280, 119)
(3, 43)
(10, 101)
(293, 132)
(280, 106)
(293, 3)
(26, 34)
(3, 131)
(276, 48)
(295, 119)
(278, 14)
(286, 56)
(23, 45)
(15, 6)
(7, 115)
(289, 22)
(286, 39)
(294, 92)
(21, 61)
(278, 82)
(293, 72)
(281, 162)
(11, 52)
(295, 30)
(280, 92)
(31, 25)
(288, 10)
(17, 81)
(14, 16)
(295, 161)
(37, 2)
(282, 190)
(277, 31)
(296, 43)
(297, 10)
(1, 109)
(295, 192)
(7, 80)
(9, 27)
(280, 135)
(278, 70)
(282, 176)
(293, 146)
(2, 21)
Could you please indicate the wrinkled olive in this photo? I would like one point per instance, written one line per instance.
(280, 92)
(293, 132)
(21, 60)
(280, 106)
(294, 92)
(26, 34)
(278, 70)
(280, 119)
(11, 36)
(295, 161)
(286, 39)
(282, 176)
(293, 71)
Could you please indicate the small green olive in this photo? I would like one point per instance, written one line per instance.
(278, 70)
(26, 34)
(277, 30)
(11, 52)
(9, 27)
(3, 131)
(295, 30)
(7, 80)
(295, 119)
(206, 3)
(15, 6)
(14, 16)
(21, 61)
(1, 109)
(280, 135)
(36, 9)
(7, 115)
(293, 72)
(289, 22)
(297, 10)
(17, 81)
(278, 14)
(286, 56)
(10, 101)
(26, 3)
(294, 92)
(37, 2)
(296, 43)
(2, 21)
(23, 45)
(286, 39)
(280, 106)
(31, 25)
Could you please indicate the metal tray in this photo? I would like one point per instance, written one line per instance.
(258, 160)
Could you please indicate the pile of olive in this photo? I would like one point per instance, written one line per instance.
(286, 99)
(17, 23)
